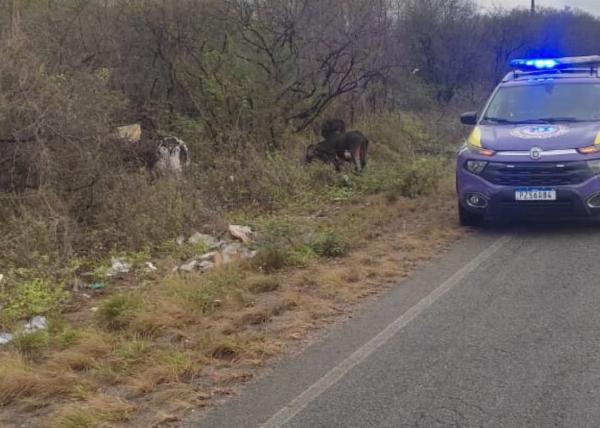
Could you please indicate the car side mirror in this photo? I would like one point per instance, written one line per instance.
(469, 118)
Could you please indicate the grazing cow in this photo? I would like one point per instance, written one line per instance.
(340, 147)
(173, 155)
(331, 127)
(144, 147)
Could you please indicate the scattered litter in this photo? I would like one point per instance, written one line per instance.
(189, 266)
(118, 266)
(220, 245)
(131, 133)
(36, 324)
(94, 309)
(87, 296)
(208, 257)
(97, 286)
(77, 284)
(236, 251)
(5, 338)
(206, 265)
(150, 267)
(243, 233)
(198, 237)
(180, 240)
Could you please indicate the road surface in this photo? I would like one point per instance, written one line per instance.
(503, 331)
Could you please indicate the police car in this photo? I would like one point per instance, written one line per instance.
(535, 148)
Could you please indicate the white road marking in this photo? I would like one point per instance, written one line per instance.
(338, 372)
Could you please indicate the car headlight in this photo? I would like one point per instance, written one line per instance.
(594, 165)
(476, 166)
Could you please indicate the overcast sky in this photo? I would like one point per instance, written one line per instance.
(592, 6)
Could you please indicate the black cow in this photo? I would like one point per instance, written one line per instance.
(332, 126)
(340, 147)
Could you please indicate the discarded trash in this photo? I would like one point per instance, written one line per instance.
(150, 267)
(118, 266)
(235, 251)
(36, 324)
(243, 233)
(180, 240)
(5, 338)
(189, 266)
(198, 237)
(208, 257)
(131, 133)
(97, 286)
(206, 265)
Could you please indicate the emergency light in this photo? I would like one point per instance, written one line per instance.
(531, 64)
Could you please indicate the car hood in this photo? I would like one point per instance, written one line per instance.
(546, 137)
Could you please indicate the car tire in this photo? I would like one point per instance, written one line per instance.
(468, 218)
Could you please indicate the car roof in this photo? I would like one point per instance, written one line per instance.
(579, 75)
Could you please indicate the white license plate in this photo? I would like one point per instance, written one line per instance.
(535, 194)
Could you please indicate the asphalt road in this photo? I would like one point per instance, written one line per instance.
(503, 331)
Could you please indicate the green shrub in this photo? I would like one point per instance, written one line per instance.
(408, 179)
(271, 259)
(282, 244)
(32, 344)
(184, 251)
(204, 293)
(264, 284)
(29, 298)
(133, 351)
(330, 244)
(422, 177)
(116, 312)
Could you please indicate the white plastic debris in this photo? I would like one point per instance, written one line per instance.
(36, 324)
(118, 266)
(5, 338)
(236, 251)
(198, 237)
(208, 257)
(205, 266)
(150, 267)
(243, 233)
(180, 240)
(189, 266)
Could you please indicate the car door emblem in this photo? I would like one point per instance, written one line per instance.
(535, 153)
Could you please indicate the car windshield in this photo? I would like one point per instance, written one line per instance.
(546, 102)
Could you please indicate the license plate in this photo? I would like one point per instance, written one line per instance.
(535, 194)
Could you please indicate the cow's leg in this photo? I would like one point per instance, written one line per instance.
(363, 155)
(337, 163)
(356, 158)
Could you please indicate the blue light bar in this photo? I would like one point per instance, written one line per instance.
(555, 63)
(539, 64)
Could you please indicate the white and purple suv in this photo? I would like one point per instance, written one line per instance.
(535, 149)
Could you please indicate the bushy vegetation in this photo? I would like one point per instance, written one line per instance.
(246, 85)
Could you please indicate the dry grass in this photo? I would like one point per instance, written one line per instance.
(96, 411)
(146, 360)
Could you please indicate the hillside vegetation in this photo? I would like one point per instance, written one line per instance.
(246, 84)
